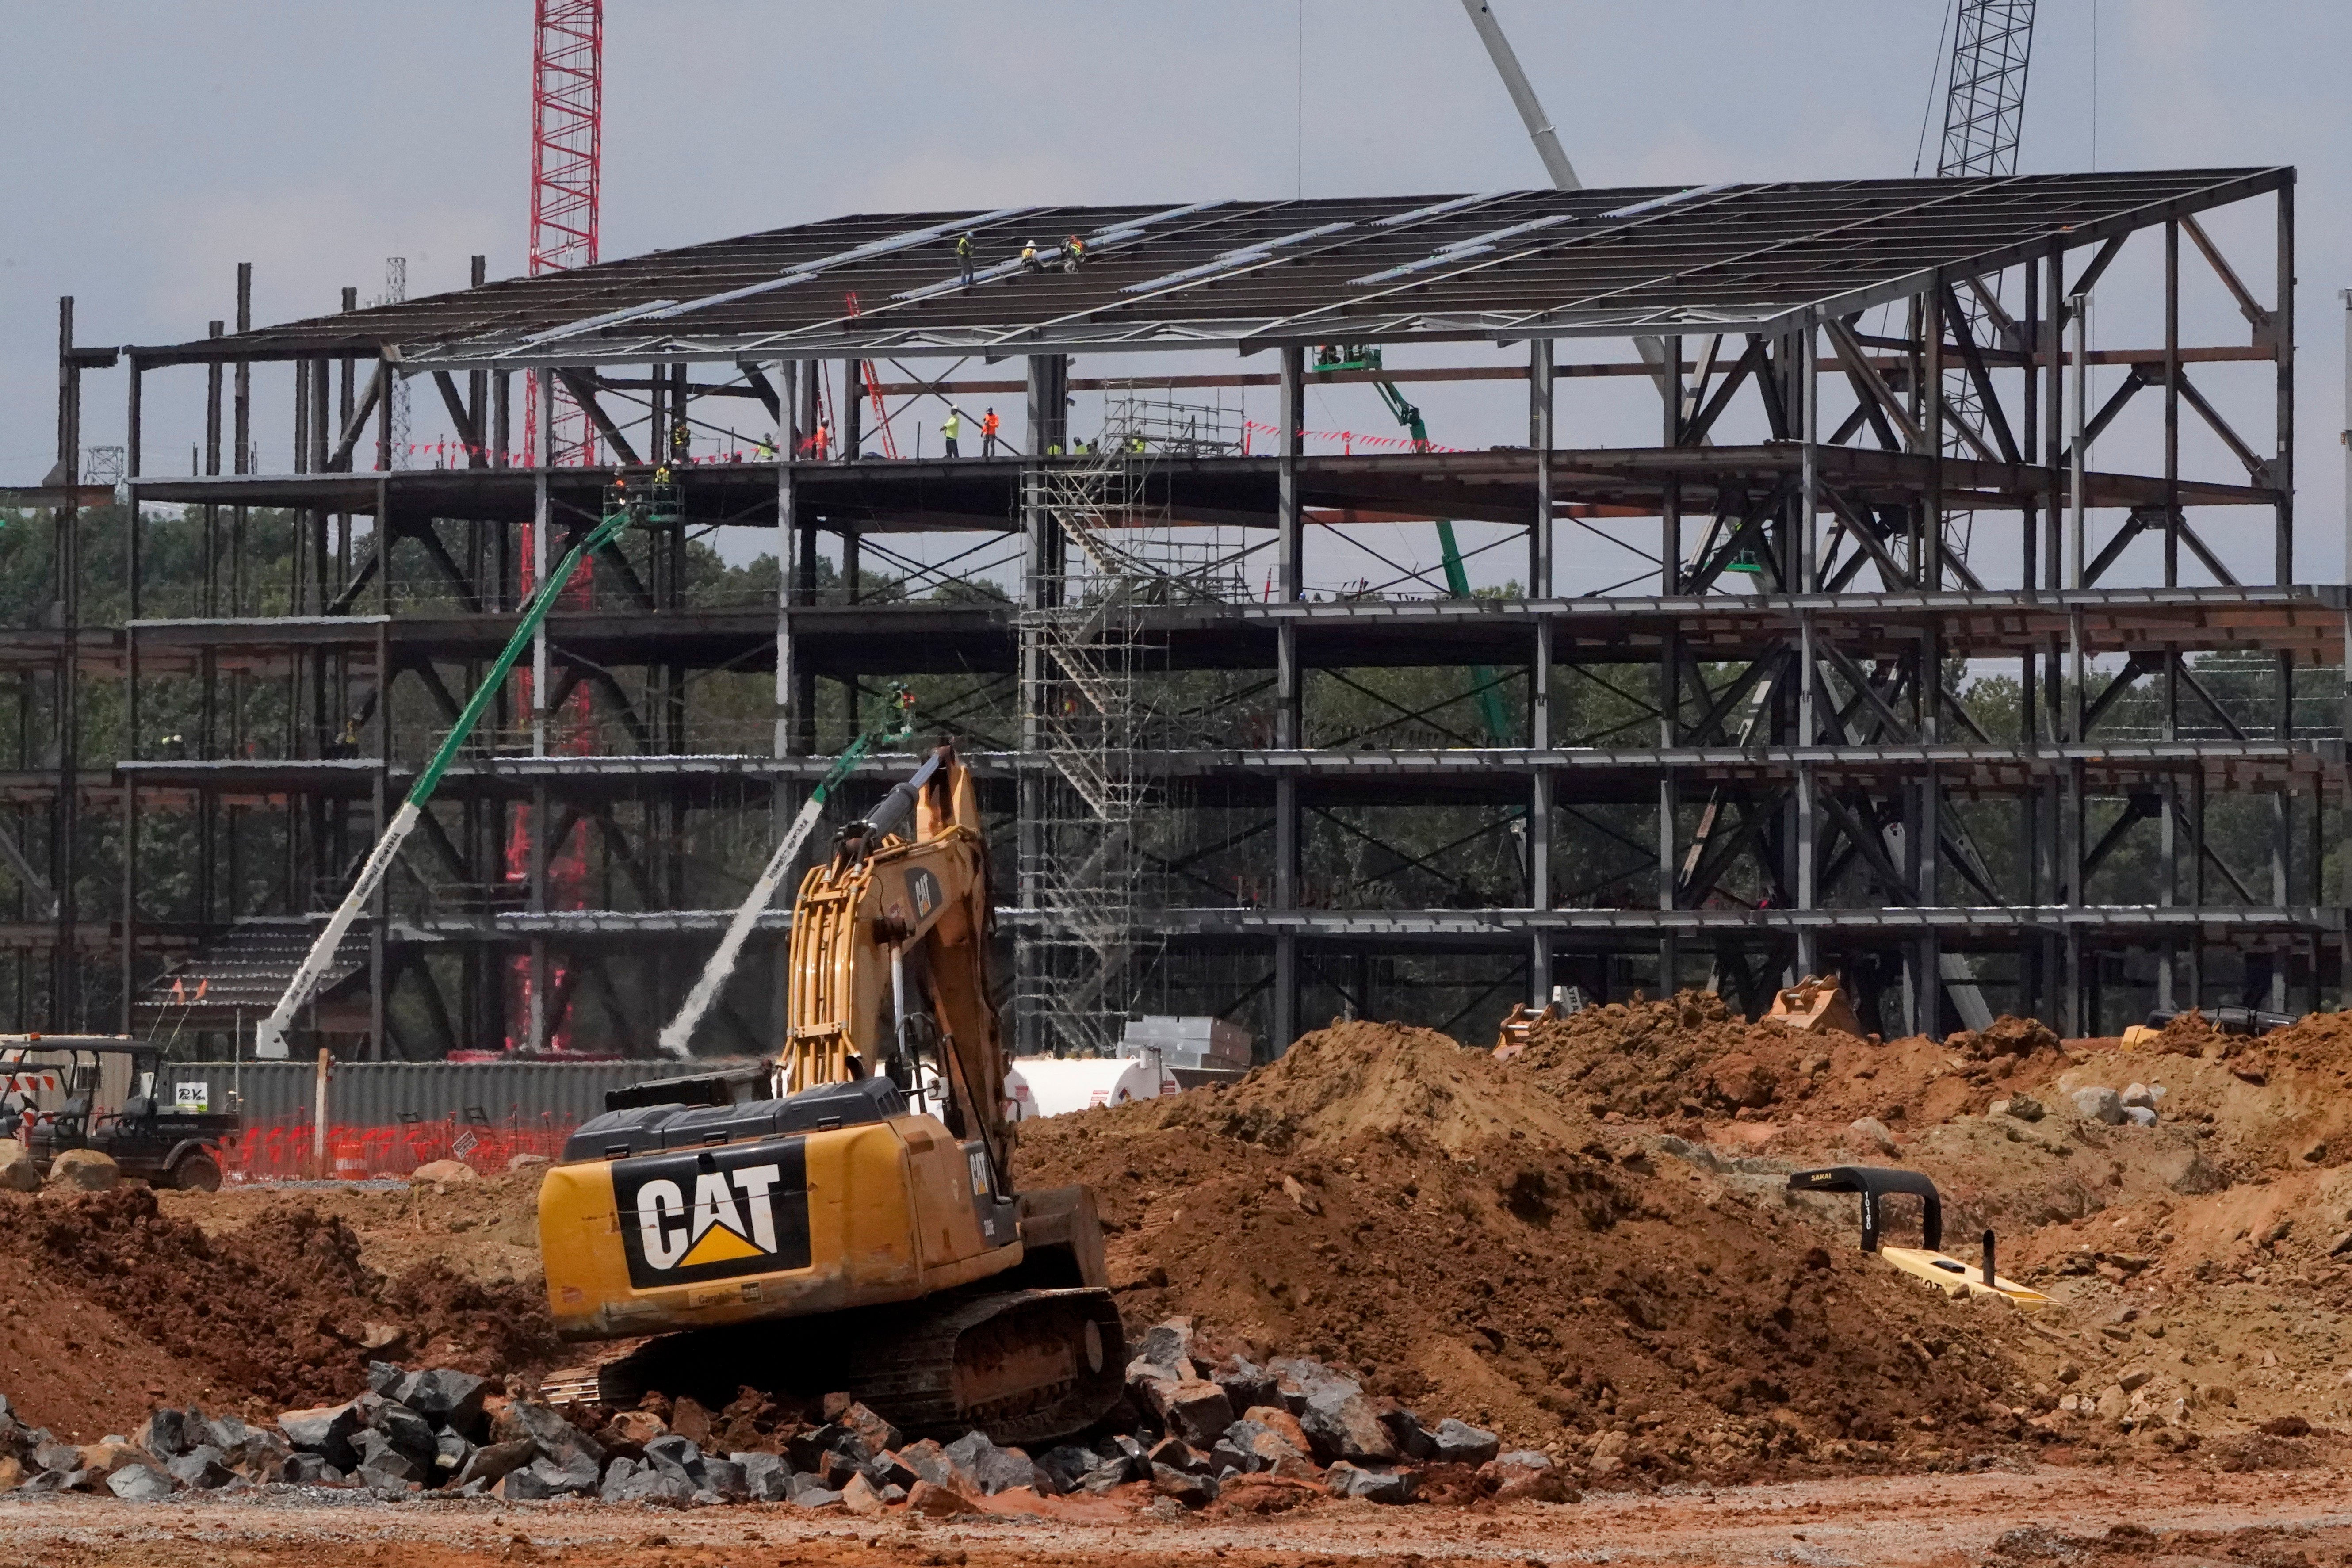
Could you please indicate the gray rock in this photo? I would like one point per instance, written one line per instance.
(2025, 1107)
(2099, 1105)
(140, 1483)
(450, 1400)
(676, 1456)
(1192, 1490)
(1246, 1383)
(1227, 1459)
(260, 1454)
(165, 1436)
(226, 1433)
(326, 1430)
(308, 1470)
(1412, 1439)
(2140, 1115)
(1340, 1423)
(1375, 1485)
(556, 1437)
(809, 1492)
(201, 1468)
(495, 1460)
(1195, 1409)
(1165, 1351)
(647, 1485)
(410, 1435)
(886, 1469)
(1179, 1455)
(1067, 1465)
(451, 1453)
(383, 1377)
(766, 1477)
(2142, 1094)
(728, 1478)
(1114, 1472)
(570, 1476)
(61, 1459)
(1459, 1443)
(525, 1484)
(996, 1469)
(384, 1468)
(1299, 1378)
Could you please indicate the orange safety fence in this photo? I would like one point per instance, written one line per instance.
(288, 1151)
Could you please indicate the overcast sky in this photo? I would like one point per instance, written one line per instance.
(154, 146)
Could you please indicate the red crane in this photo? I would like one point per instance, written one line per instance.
(567, 113)
(567, 105)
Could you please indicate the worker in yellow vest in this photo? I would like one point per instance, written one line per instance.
(951, 429)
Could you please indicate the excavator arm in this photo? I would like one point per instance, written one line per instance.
(889, 972)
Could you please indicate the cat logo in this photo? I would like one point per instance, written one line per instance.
(714, 1214)
(924, 889)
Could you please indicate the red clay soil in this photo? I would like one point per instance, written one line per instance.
(2052, 1518)
(1476, 1245)
(279, 1313)
(1691, 1058)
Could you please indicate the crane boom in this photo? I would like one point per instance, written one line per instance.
(1562, 172)
(1523, 96)
(679, 1031)
(269, 1035)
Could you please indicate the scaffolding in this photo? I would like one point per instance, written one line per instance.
(1157, 421)
(1085, 696)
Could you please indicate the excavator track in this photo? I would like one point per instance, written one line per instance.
(1020, 1365)
(1023, 1366)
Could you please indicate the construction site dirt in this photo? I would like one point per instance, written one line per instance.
(2007, 1520)
(1591, 1250)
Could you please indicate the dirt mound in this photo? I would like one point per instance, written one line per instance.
(1694, 1058)
(1654, 1058)
(284, 1310)
(1476, 1246)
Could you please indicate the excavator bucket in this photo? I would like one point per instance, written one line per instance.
(1816, 1002)
(1512, 1038)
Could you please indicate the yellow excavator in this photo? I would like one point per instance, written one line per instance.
(843, 1219)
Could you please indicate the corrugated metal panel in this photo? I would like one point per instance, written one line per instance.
(383, 1094)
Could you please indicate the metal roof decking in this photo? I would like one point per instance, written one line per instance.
(1516, 265)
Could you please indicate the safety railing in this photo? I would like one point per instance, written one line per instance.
(291, 1151)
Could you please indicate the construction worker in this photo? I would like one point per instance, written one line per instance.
(951, 429)
(819, 442)
(963, 256)
(988, 427)
(1073, 251)
(1029, 262)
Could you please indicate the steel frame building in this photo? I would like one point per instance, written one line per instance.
(1804, 788)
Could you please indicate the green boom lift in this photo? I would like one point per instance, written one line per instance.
(653, 504)
(1367, 356)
